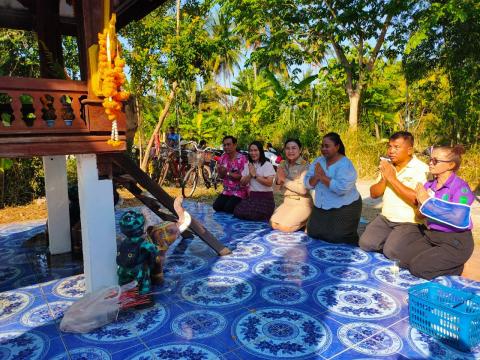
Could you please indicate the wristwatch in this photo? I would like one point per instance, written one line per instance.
(255, 176)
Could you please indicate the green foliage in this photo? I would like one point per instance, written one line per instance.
(18, 53)
(24, 181)
(199, 127)
(155, 54)
(70, 57)
(5, 164)
(445, 41)
(351, 32)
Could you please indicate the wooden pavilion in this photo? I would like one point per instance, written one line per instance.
(81, 126)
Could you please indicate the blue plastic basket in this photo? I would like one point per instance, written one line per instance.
(451, 315)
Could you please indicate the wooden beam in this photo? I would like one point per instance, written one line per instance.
(92, 23)
(67, 145)
(23, 20)
(133, 10)
(166, 200)
(153, 204)
(47, 27)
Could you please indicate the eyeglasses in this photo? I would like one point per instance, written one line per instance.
(435, 161)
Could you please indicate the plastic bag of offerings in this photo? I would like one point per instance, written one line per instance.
(94, 310)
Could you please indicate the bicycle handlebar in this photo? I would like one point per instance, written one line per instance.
(195, 145)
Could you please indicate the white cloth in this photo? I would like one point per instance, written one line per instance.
(264, 170)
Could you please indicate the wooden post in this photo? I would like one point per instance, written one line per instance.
(92, 16)
(57, 204)
(47, 27)
(97, 216)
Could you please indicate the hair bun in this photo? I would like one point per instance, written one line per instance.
(459, 149)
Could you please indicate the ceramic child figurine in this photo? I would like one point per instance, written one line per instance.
(164, 234)
(139, 257)
(136, 254)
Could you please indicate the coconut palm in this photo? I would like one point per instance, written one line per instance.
(228, 54)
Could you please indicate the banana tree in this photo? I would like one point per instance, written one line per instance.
(289, 94)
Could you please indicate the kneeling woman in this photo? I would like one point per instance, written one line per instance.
(258, 174)
(295, 210)
(447, 243)
(338, 204)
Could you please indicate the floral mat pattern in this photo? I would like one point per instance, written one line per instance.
(277, 296)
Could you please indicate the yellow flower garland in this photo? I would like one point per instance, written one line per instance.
(110, 70)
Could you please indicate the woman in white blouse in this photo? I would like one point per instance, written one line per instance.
(258, 174)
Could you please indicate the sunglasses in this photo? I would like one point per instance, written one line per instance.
(435, 161)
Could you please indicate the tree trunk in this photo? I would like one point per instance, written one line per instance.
(354, 98)
(377, 131)
(161, 118)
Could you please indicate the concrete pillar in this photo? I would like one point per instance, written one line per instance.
(57, 204)
(98, 225)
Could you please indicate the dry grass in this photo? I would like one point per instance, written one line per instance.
(34, 211)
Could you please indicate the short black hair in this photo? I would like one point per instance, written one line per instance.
(337, 141)
(296, 141)
(405, 135)
(233, 138)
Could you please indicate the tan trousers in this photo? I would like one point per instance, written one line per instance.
(293, 213)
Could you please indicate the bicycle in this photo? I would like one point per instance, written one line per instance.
(172, 164)
(200, 170)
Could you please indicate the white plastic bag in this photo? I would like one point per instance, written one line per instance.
(94, 310)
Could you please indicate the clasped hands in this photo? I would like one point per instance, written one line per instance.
(251, 170)
(319, 175)
(422, 193)
(387, 170)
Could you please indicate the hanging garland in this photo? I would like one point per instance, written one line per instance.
(110, 70)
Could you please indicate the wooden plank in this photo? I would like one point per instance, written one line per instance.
(53, 138)
(59, 146)
(98, 120)
(29, 84)
(166, 200)
(149, 202)
(47, 26)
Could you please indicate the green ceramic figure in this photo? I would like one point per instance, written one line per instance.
(136, 254)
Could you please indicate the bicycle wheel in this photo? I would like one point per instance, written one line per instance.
(217, 183)
(206, 176)
(163, 173)
(189, 183)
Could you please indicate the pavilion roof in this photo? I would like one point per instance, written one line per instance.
(20, 14)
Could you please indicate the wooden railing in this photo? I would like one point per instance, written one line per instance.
(49, 117)
(36, 106)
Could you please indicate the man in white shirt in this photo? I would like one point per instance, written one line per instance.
(397, 225)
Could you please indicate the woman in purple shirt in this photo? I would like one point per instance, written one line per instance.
(447, 241)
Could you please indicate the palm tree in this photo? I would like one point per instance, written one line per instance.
(228, 54)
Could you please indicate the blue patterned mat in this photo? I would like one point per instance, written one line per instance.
(278, 296)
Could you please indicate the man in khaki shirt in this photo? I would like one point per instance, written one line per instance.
(396, 227)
